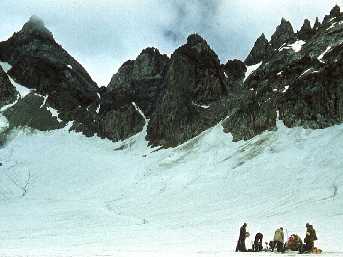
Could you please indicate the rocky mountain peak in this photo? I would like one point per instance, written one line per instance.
(306, 30)
(261, 50)
(283, 20)
(284, 32)
(149, 64)
(36, 26)
(188, 93)
(306, 26)
(195, 39)
(335, 11)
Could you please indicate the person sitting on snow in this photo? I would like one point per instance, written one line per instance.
(258, 247)
(294, 243)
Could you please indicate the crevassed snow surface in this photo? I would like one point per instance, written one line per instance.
(251, 69)
(62, 194)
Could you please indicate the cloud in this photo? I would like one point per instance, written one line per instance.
(103, 34)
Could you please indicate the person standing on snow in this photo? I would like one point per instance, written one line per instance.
(278, 239)
(241, 241)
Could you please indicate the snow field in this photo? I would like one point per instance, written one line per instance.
(63, 194)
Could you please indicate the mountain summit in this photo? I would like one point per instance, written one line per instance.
(36, 26)
(294, 76)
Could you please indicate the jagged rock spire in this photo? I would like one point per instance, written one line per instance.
(261, 50)
(316, 24)
(283, 33)
(149, 64)
(306, 30)
(335, 11)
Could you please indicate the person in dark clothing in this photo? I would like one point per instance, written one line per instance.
(310, 237)
(241, 241)
(258, 247)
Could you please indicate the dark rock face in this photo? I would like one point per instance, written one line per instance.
(8, 93)
(261, 51)
(195, 85)
(41, 64)
(250, 117)
(284, 33)
(121, 124)
(316, 100)
(235, 69)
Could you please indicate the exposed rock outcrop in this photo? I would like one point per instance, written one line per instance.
(31, 112)
(250, 117)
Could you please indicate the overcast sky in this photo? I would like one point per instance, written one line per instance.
(102, 34)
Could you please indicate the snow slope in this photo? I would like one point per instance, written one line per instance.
(62, 194)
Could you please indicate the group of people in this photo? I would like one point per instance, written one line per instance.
(293, 243)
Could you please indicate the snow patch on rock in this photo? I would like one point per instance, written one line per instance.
(296, 46)
(22, 90)
(3, 123)
(321, 56)
(285, 89)
(201, 105)
(251, 69)
(54, 113)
